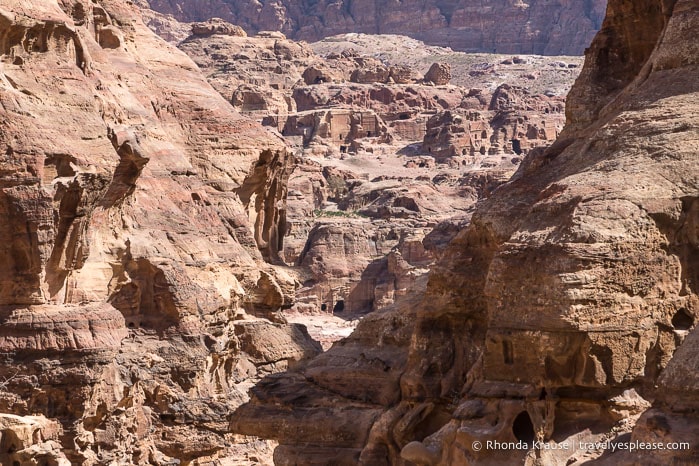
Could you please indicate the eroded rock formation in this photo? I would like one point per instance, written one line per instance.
(139, 215)
(566, 307)
(30, 440)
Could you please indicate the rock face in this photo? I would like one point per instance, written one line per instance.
(531, 26)
(139, 217)
(339, 126)
(256, 74)
(511, 127)
(439, 74)
(566, 306)
(30, 440)
(217, 26)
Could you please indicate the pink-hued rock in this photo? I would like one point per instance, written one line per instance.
(439, 74)
(61, 328)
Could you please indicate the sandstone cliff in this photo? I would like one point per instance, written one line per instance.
(561, 313)
(506, 26)
(139, 215)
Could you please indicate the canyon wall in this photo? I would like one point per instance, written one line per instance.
(565, 312)
(503, 26)
(140, 215)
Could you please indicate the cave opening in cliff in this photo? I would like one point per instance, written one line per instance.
(682, 320)
(517, 146)
(523, 428)
(339, 306)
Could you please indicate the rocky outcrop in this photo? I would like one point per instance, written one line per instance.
(532, 26)
(139, 214)
(30, 440)
(439, 74)
(539, 74)
(256, 74)
(62, 328)
(306, 96)
(166, 26)
(516, 122)
(217, 26)
(560, 313)
(339, 127)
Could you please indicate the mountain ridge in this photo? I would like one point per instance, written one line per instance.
(497, 26)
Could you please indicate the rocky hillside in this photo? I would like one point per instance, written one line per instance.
(564, 313)
(384, 150)
(139, 216)
(504, 26)
(550, 75)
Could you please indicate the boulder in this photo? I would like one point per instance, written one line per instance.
(439, 74)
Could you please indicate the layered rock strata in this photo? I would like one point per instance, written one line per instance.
(563, 311)
(532, 26)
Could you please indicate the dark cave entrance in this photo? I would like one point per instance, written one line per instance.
(523, 428)
(682, 320)
(517, 146)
